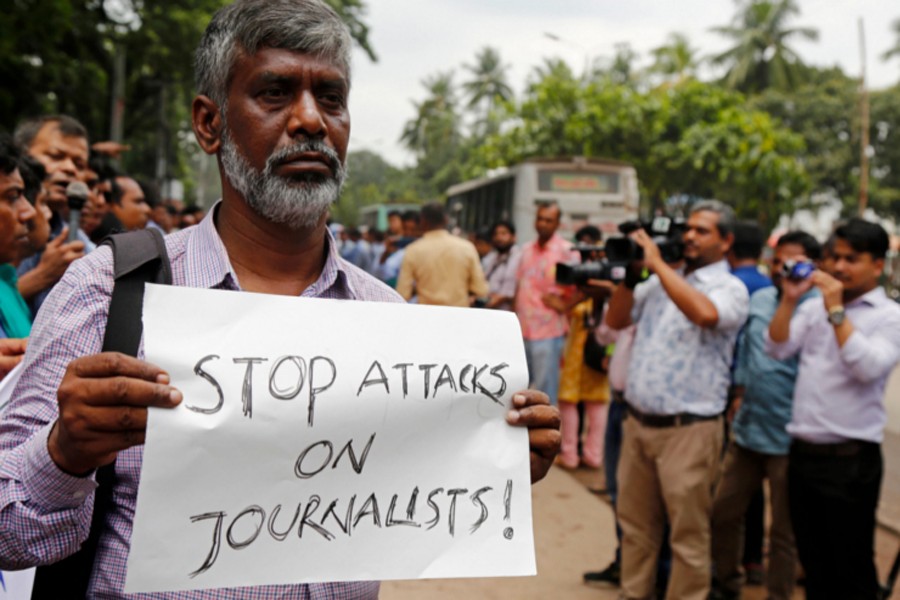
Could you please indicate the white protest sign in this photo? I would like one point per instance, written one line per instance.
(16, 585)
(329, 440)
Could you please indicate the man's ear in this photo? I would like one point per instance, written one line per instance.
(206, 119)
(728, 243)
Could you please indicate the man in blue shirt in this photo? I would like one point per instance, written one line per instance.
(744, 256)
(759, 448)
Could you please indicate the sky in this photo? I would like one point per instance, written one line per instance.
(418, 38)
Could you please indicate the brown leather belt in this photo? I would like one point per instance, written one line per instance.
(660, 421)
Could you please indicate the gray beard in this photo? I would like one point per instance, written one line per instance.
(296, 203)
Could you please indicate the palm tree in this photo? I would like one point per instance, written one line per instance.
(761, 58)
(436, 120)
(676, 58)
(895, 51)
(556, 68)
(487, 86)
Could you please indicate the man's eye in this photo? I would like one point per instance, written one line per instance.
(334, 98)
(274, 93)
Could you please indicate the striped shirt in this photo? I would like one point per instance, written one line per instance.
(45, 514)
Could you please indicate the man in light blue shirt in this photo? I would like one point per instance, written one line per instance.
(677, 385)
(764, 392)
(848, 344)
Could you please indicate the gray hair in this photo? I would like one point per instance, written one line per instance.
(28, 129)
(307, 26)
(727, 219)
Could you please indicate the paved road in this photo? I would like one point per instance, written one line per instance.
(574, 532)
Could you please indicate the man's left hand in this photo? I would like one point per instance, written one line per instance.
(652, 255)
(532, 409)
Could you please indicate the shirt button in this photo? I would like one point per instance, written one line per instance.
(78, 495)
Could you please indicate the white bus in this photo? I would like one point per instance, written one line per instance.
(593, 191)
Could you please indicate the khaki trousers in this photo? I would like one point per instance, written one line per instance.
(742, 474)
(667, 473)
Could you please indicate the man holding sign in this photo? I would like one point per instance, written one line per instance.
(273, 80)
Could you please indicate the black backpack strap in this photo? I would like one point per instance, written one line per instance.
(140, 257)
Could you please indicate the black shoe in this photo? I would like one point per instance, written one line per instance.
(610, 576)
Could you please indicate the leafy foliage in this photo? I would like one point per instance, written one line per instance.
(693, 139)
(761, 57)
(57, 56)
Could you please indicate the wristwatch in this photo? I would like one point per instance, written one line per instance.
(836, 315)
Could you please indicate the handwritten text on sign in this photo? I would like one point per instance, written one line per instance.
(326, 440)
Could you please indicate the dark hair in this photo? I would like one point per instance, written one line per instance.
(411, 215)
(811, 246)
(726, 221)
(864, 236)
(394, 213)
(103, 166)
(542, 205)
(483, 235)
(377, 234)
(589, 231)
(115, 191)
(10, 157)
(507, 224)
(28, 129)
(33, 174)
(151, 192)
(748, 240)
(433, 214)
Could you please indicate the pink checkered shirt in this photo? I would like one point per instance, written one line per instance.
(45, 514)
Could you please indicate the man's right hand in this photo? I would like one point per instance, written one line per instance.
(12, 351)
(57, 256)
(103, 402)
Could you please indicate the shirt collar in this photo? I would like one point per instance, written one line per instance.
(207, 258)
(872, 298)
(711, 271)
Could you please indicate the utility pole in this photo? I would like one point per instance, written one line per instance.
(864, 125)
(117, 110)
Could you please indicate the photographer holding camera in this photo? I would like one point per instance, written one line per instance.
(848, 345)
(677, 385)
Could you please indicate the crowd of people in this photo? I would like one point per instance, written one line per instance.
(693, 381)
(74, 413)
(690, 381)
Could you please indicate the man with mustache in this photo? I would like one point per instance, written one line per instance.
(60, 144)
(848, 344)
(677, 385)
(273, 78)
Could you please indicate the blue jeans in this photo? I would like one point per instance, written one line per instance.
(543, 365)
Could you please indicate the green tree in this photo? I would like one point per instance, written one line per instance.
(488, 86)
(693, 139)
(760, 57)
(675, 59)
(824, 112)
(58, 56)
(373, 181)
(434, 134)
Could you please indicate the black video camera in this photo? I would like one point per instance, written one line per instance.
(665, 232)
(591, 267)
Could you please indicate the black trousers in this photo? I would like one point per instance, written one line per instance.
(833, 493)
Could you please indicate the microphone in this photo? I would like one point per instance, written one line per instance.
(76, 195)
